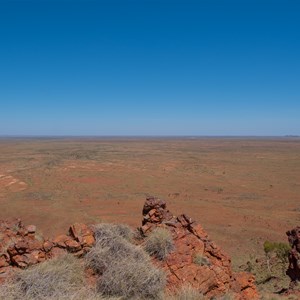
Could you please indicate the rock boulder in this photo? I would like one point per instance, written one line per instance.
(196, 260)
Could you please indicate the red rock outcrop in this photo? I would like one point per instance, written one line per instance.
(213, 275)
(196, 260)
(21, 247)
(294, 258)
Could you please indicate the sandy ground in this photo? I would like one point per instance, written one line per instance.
(243, 191)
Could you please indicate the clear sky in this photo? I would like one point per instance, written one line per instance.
(149, 67)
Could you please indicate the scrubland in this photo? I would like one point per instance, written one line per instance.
(243, 191)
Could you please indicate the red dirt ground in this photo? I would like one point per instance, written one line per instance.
(243, 191)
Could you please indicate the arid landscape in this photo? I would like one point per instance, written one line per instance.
(243, 191)
(149, 150)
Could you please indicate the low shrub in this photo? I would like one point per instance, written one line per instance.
(281, 250)
(53, 279)
(107, 252)
(104, 232)
(126, 270)
(278, 250)
(159, 243)
(185, 293)
(132, 279)
(201, 260)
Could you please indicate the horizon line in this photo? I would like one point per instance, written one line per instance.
(144, 136)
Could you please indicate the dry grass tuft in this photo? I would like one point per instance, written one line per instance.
(200, 260)
(185, 293)
(112, 245)
(132, 279)
(59, 279)
(126, 270)
(159, 243)
(104, 232)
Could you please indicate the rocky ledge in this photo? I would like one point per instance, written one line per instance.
(213, 276)
(210, 273)
(294, 258)
(21, 246)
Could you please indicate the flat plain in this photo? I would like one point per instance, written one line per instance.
(243, 191)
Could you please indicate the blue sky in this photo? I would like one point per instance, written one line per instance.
(149, 67)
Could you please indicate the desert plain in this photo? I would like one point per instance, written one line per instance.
(243, 191)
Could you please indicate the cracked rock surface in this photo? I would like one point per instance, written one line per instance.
(196, 260)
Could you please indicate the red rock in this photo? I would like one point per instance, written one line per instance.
(198, 231)
(213, 277)
(31, 228)
(244, 286)
(56, 252)
(294, 258)
(79, 253)
(20, 261)
(11, 250)
(4, 270)
(152, 212)
(34, 245)
(79, 230)
(158, 210)
(153, 203)
(61, 240)
(22, 232)
(32, 258)
(184, 220)
(3, 261)
(88, 241)
(73, 246)
(31, 236)
(48, 245)
(21, 246)
(41, 256)
(12, 224)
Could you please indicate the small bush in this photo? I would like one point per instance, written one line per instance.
(186, 293)
(201, 260)
(132, 279)
(278, 250)
(104, 232)
(106, 252)
(126, 270)
(281, 250)
(53, 279)
(159, 243)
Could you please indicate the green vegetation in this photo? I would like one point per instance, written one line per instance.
(278, 250)
(159, 243)
(270, 269)
(281, 250)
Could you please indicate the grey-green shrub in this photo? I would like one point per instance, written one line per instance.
(201, 260)
(132, 279)
(185, 293)
(159, 243)
(104, 232)
(126, 270)
(54, 279)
